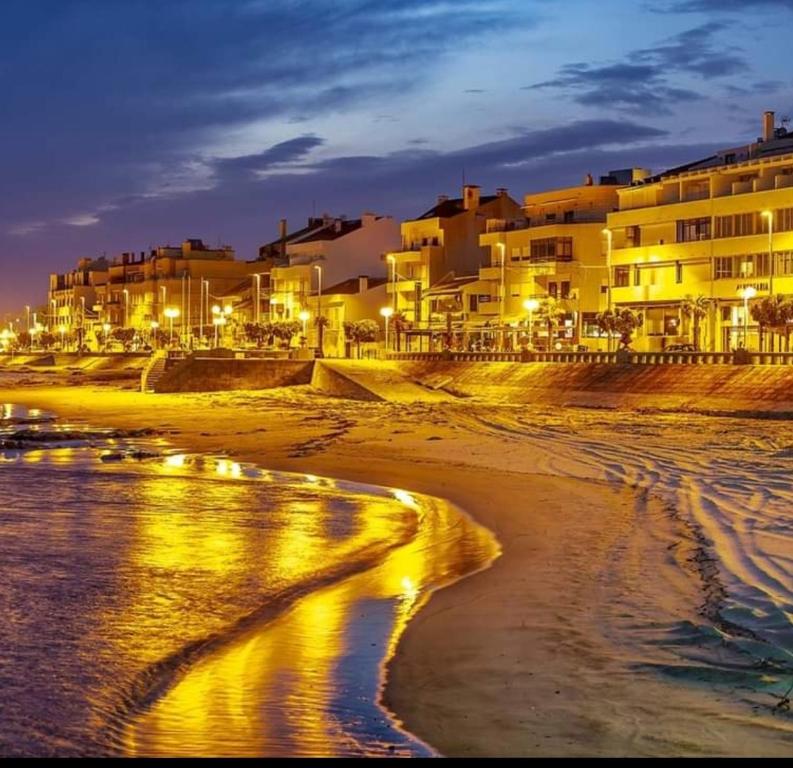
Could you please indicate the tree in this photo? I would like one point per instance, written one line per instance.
(258, 333)
(24, 340)
(770, 313)
(286, 330)
(551, 313)
(47, 340)
(695, 310)
(361, 332)
(400, 324)
(621, 321)
(125, 336)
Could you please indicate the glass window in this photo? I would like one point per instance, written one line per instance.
(622, 276)
(690, 230)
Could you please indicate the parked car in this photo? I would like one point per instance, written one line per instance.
(680, 348)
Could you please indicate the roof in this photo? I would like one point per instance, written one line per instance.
(239, 289)
(782, 144)
(448, 208)
(318, 229)
(352, 285)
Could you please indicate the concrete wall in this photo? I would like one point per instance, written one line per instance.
(212, 375)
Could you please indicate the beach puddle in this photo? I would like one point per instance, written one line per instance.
(158, 603)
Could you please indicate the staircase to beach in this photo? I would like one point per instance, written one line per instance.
(153, 372)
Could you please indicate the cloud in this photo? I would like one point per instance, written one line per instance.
(641, 82)
(726, 6)
(82, 220)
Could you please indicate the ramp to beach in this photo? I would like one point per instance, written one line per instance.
(375, 380)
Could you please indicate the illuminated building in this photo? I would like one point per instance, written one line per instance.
(441, 243)
(712, 228)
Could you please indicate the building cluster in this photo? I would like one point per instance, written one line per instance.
(482, 271)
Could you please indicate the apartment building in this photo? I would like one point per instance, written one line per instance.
(186, 280)
(442, 243)
(324, 252)
(720, 228)
(72, 296)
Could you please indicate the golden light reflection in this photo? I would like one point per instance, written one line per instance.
(275, 690)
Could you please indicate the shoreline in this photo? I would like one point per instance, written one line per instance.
(525, 657)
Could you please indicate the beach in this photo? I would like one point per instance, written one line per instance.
(600, 629)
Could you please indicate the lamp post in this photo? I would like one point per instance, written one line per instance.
(62, 331)
(171, 313)
(27, 317)
(154, 326)
(502, 291)
(391, 259)
(769, 217)
(257, 314)
(163, 301)
(217, 321)
(746, 293)
(318, 267)
(531, 306)
(609, 244)
(386, 312)
(106, 327)
(126, 307)
(52, 313)
(303, 317)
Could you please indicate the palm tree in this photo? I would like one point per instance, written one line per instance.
(769, 313)
(695, 310)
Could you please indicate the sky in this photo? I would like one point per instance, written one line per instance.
(128, 124)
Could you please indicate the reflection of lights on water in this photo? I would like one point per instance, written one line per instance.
(405, 498)
(409, 589)
(175, 460)
(312, 478)
(228, 468)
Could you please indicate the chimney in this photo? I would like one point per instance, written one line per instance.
(282, 229)
(442, 199)
(501, 191)
(768, 126)
(470, 197)
(337, 225)
(588, 180)
(363, 283)
(368, 218)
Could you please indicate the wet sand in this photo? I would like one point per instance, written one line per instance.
(551, 651)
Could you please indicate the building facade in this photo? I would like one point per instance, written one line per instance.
(441, 243)
(72, 297)
(721, 229)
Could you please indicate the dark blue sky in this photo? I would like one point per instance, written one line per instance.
(132, 123)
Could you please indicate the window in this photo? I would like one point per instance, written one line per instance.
(783, 219)
(569, 216)
(633, 237)
(552, 248)
(678, 272)
(565, 289)
(622, 277)
(785, 262)
(552, 290)
(637, 275)
(473, 303)
(741, 225)
(691, 230)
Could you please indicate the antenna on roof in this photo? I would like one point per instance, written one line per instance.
(463, 175)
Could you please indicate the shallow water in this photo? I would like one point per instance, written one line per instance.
(175, 604)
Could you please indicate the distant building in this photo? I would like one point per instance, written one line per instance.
(441, 243)
(189, 278)
(72, 296)
(716, 228)
(327, 250)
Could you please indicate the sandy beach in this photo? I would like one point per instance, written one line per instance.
(562, 646)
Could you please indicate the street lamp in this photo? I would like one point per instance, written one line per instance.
(531, 306)
(303, 317)
(258, 280)
(386, 312)
(218, 320)
(62, 331)
(391, 259)
(746, 293)
(769, 217)
(318, 267)
(171, 313)
(609, 245)
(154, 326)
(502, 291)
(126, 307)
